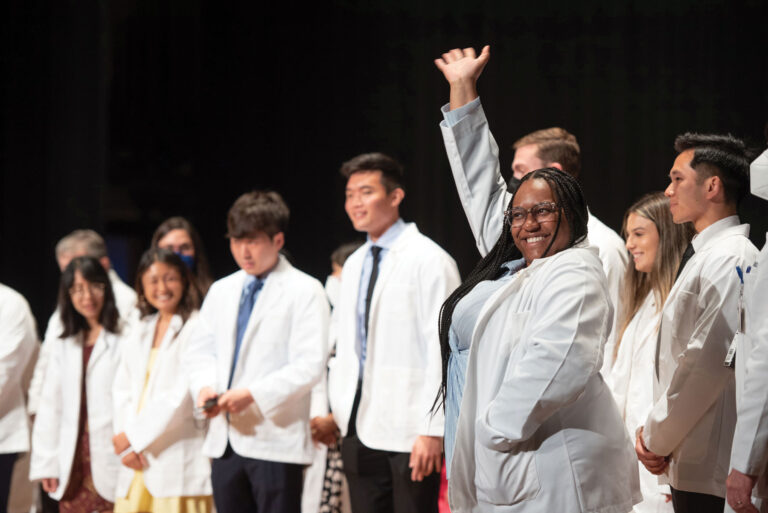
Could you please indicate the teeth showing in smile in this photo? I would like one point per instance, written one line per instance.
(531, 240)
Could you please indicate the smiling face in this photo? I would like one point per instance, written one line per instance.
(256, 253)
(642, 241)
(370, 208)
(178, 241)
(163, 287)
(687, 196)
(87, 297)
(532, 238)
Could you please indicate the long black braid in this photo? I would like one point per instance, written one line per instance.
(569, 196)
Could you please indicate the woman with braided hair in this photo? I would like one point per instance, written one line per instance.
(530, 424)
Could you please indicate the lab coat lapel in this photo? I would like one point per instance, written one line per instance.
(71, 388)
(100, 349)
(388, 266)
(169, 340)
(229, 309)
(145, 345)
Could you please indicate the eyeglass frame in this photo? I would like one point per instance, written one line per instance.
(556, 208)
(95, 288)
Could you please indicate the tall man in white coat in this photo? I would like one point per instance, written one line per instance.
(18, 349)
(387, 370)
(749, 455)
(260, 347)
(689, 430)
(473, 152)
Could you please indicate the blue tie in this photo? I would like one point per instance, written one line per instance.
(246, 305)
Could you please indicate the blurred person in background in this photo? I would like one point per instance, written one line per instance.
(178, 235)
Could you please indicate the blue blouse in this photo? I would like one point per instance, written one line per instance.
(459, 338)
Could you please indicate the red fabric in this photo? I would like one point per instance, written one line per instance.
(442, 501)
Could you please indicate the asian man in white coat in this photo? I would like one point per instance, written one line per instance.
(18, 348)
(749, 455)
(688, 433)
(386, 372)
(260, 346)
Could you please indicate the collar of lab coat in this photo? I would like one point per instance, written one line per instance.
(492, 303)
(102, 345)
(722, 228)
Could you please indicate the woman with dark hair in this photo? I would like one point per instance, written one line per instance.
(178, 235)
(656, 245)
(536, 429)
(164, 469)
(71, 449)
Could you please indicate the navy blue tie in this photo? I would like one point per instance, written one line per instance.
(246, 305)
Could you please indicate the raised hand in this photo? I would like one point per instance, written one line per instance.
(461, 69)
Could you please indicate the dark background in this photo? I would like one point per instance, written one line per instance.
(117, 115)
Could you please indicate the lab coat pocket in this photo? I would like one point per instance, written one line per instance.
(506, 477)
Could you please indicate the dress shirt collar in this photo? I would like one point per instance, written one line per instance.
(711, 231)
(388, 238)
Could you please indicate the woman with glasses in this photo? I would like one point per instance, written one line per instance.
(158, 439)
(530, 424)
(71, 440)
(656, 245)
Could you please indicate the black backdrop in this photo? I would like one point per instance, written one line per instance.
(119, 114)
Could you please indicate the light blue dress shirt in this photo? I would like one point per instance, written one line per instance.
(452, 117)
(385, 243)
(459, 338)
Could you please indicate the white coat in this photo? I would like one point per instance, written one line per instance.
(749, 454)
(125, 300)
(538, 429)
(403, 365)
(18, 348)
(474, 158)
(282, 356)
(54, 436)
(165, 431)
(694, 410)
(631, 380)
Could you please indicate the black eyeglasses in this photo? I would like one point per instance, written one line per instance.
(542, 213)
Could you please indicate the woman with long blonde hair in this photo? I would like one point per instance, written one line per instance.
(656, 245)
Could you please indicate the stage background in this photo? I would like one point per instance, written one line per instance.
(117, 115)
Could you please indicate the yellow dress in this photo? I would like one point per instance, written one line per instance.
(139, 500)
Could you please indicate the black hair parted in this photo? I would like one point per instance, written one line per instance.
(569, 196)
(92, 271)
(724, 156)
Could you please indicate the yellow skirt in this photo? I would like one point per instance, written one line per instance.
(139, 500)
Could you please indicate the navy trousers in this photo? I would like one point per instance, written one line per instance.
(243, 484)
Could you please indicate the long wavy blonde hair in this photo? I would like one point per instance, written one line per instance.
(673, 239)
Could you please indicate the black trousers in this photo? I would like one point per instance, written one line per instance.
(692, 502)
(243, 484)
(380, 481)
(7, 461)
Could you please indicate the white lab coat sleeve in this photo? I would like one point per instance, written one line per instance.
(121, 391)
(307, 346)
(52, 331)
(700, 375)
(45, 433)
(474, 158)
(437, 279)
(159, 410)
(18, 336)
(199, 359)
(562, 342)
(750, 441)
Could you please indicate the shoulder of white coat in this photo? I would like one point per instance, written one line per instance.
(579, 259)
(223, 284)
(604, 238)
(733, 247)
(424, 250)
(300, 279)
(12, 303)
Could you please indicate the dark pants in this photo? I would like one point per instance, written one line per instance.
(380, 481)
(243, 484)
(692, 502)
(6, 472)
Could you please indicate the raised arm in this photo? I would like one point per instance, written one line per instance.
(471, 149)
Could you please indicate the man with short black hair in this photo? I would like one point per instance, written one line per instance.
(387, 369)
(260, 348)
(689, 431)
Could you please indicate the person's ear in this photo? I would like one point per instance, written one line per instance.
(105, 263)
(714, 187)
(396, 196)
(556, 165)
(278, 240)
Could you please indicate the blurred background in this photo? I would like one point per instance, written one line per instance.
(117, 115)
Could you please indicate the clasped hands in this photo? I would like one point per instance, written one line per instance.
(231, 401)
(653, 462)
(132, 459)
